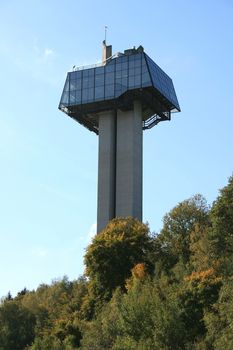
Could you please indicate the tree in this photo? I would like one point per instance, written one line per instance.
(219, 320)
(16, 326)
(197, 294)
(221, 236)
(101, 333)
(113, 253)
(48, 342)
(57, 312)
(149, 318)
(144, 318)
(200, 257)
(178, 226)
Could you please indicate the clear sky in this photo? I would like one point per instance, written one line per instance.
(48, 178)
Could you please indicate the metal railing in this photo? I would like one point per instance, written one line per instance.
(98, 64)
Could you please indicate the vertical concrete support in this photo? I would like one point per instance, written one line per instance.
(106, 169)
(129, 163)
(106, 51)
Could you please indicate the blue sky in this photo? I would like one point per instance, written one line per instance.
(48, 187)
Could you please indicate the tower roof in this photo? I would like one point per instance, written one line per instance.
(114, 85)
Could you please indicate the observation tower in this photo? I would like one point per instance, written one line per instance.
(118, 99)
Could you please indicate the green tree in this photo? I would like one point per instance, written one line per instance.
(222, 228)
(48, 342)
(174, 240)
(196, 295)
(16, 326)
(101, 333)
(219, 320)
(147, 317)
(113, 253)
(200, 256)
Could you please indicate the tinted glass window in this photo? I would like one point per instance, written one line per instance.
(85, 82)
(99, 93)
(72, 85)
(67, 85)
(109, 78)
(99, 80)
(78, 96)
(72, 97)
(109, 91)
(146, 79)
(110, 67)
(84, 95)
(90, 94)
(137, 80)
(99, 70)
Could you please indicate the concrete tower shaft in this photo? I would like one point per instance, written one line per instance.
(120, 165)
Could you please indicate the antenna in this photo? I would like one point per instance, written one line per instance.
(105, 34)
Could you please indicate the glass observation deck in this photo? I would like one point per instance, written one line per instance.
(115, 85)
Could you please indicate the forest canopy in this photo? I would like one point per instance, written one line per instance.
(140, 290)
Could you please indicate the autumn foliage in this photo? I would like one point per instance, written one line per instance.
(171, 290)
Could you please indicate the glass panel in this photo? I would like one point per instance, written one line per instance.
(99, 80)
(137, 80)
(85, 82)
(118, 81)
(131, 82)
(118, 74)
(119, 59)
(131, 72)
(84, 95)
(118, 66)
(91, 94)
(73, 75)
(79, 84)
(99, 70)
(137, 63)
(110, 67)
(124, 82)
(109, 91)
(125, 65)
(65, 98)
(72, 97)
(124, 59)
(137, 70)
(131, 58)
(146, 79)
(99, 93)
(72, 85)
(124, 73)
(137, 57)
(91, 81)
(109, 78)
(162, 82)
(67, 85)
(118, 92)
(78, 96)
(144, 69)
(85, 73)
(131, 63)
(78, 75)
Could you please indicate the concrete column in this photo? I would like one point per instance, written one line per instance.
(129, 163)
(106, 169)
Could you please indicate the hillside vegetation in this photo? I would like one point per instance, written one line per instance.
(140, 290)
